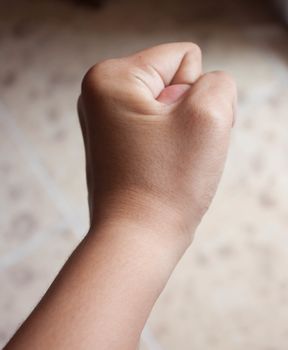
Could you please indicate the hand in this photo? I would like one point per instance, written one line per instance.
(156, 134)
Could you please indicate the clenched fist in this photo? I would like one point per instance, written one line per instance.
(156, 133)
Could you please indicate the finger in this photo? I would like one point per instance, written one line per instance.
(174, 63)
(213, 98)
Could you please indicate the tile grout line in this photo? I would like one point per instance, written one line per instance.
(58, 198)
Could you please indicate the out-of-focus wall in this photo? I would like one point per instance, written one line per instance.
(231, 289)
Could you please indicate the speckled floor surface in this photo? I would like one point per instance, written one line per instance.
(231, 289)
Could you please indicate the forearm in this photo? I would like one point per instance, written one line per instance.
(104, 294)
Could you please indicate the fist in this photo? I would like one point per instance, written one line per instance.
(156, 133)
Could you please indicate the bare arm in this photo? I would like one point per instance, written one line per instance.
(156, 133)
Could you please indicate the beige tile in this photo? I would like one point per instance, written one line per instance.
(27, 211)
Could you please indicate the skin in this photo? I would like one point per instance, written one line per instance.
(156, 133)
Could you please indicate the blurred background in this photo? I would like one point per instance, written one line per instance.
(231, 289)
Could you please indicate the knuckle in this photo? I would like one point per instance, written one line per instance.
(225, 78)
(95, 77)
(194, 49)
(89, 79)
(220, 98)
(214, 116)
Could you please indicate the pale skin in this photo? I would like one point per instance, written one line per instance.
(156, 132)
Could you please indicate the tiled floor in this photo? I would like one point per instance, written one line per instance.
(231, 289)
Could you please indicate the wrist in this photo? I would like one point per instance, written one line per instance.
(138, 260)
(146, 216)
(158, 250)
